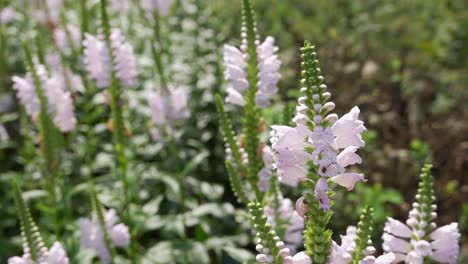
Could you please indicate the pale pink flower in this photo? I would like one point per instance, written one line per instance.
(160, 6)
(301, 258)
(342, 254)
(56, 255)
(92, 235)
(124, 59)
(348, 180)
(387, 258)
(268, 75)
(67, 38)
(97, 60)
(347, 130)
(7, 15)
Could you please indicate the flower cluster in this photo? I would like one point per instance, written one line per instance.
(264, 175)
(59, 101)
(160, 6)
(98, 60)
(67, 38)
(93, 237)
(292, 147)
(268, 64)
(316, 142)
(55, 255)
(167, 107)
(419, 238)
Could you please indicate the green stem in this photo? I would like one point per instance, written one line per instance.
(119, 131)
(47, 146)
(97, 208)
(25, 220)
(83, 21)
(158, 52)
(251, 118)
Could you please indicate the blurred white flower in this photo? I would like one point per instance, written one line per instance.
(7, 15)
(168, 107)
(124, 59)
(97, 60)
(92, 235)
(67, 38)
(56, 255)
(161, 6)
(235, 64)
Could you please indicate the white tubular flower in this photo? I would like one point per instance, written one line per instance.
(20, 260)
(444, 243)
(348, 180)
(387, 258)
(235, 72)
(57, 255)
(124, 59)
(97, 60)
(268, 66)
(264, 175)
(395, 244)
(92, 235)
(67, 38)
(301, 258)
(60, 104)
(120, 235)
(397, 228)
(7, 15)
(347, 130)
(168, 109)
(290, 155)
(26, 93)
(161, 6)
(342, 254)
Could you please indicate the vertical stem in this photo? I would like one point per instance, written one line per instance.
(47, 146)
(251, 112)
(97, 208)
(83, 21)
(119, 132)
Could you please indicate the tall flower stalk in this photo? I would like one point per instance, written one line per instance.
(116, 49)
(419, 240)
(309, 154)
(47, 146)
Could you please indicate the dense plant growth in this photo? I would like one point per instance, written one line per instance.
(144, 132)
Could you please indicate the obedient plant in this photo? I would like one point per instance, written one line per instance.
(309, 153)
(252, 73)
(35, 251)
(419, 239)
(102, 233)
(164, 58)
(168, 103)
(110, 61)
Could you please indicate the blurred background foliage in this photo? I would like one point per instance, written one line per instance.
(404, 63)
